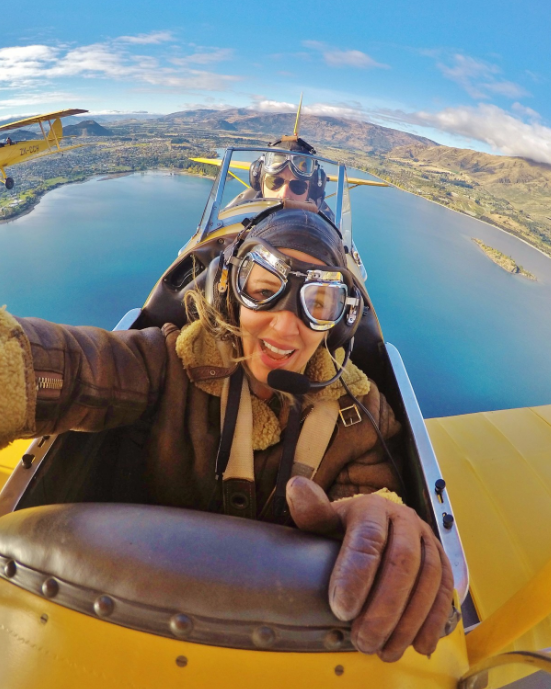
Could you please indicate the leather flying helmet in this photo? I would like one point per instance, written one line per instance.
(260, 277)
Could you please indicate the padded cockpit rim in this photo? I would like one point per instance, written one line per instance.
(176, 623)
(207, 578)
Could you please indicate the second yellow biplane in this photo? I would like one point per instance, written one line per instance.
(14, 152)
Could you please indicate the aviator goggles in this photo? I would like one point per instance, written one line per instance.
(265, 279)
(302, 166)
(297, 186)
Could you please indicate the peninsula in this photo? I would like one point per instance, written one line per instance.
(506, 262)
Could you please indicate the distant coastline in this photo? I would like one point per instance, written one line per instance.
(28, 208)
(103, 177)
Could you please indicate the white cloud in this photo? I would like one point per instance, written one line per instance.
(152, 38)
(351, 58)
(344, 58)
(274, 106)
(479, 78)
(21, 67)
(205, 56)
(18, 64)
(502, 131)
(525, 111)
(505, 88)
(35, 99)
(352, 111)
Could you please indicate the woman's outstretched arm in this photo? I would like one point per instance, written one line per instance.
(55, 378)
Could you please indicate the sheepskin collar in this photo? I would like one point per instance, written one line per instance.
(197, 348)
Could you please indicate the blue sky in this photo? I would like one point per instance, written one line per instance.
(469, 74)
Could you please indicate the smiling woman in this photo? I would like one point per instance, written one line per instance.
(215, 436)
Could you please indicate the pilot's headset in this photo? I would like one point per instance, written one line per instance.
(302, 230)
(318, 180)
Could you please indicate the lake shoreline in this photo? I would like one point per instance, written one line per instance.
(104, 177)
(454, 210)
(116, 175)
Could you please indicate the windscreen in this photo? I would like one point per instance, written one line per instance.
(256, 179)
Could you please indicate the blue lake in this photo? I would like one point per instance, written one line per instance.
(473, 337)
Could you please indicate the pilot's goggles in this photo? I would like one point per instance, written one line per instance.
(265, 279)
(297, 186)
(301, 165)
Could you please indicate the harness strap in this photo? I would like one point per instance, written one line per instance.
(238, 488)
(290, 440)
(230, 408)
(314, 439)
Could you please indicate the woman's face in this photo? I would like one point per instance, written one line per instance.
(277, 339)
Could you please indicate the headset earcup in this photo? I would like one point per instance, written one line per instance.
(255, 174)
(211, 281)
(317, 185)
(343, 332)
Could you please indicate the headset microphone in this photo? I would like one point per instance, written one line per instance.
(288, 381)
(299, 384)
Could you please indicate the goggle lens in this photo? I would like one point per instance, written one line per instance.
(297, 186)
(260, 285)
(257, 283)
(302, 165)
(324, 302)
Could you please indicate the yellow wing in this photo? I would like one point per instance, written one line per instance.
(40, 118)
(238, 165)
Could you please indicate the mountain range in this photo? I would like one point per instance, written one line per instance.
(338, 132)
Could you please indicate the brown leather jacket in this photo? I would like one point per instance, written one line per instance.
(90, 379)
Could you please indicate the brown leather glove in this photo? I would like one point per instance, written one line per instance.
(391, 577)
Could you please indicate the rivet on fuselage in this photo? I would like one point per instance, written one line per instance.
(50, 588)
(10, 568)
(263, 637)
(339, 670)
(181, 625)
(333, 640)
(181, 661)
(104, 606)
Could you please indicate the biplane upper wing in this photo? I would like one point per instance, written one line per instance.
(41, 118)
(238, 165)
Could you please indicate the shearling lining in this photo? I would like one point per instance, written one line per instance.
(196, 347)
(17, 382)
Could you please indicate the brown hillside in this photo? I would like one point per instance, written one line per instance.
(338, 132)
(483, 167)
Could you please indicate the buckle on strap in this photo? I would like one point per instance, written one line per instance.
(350, 416)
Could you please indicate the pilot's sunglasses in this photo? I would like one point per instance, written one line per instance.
(297, 186)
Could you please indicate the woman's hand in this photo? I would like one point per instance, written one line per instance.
(391, 577)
